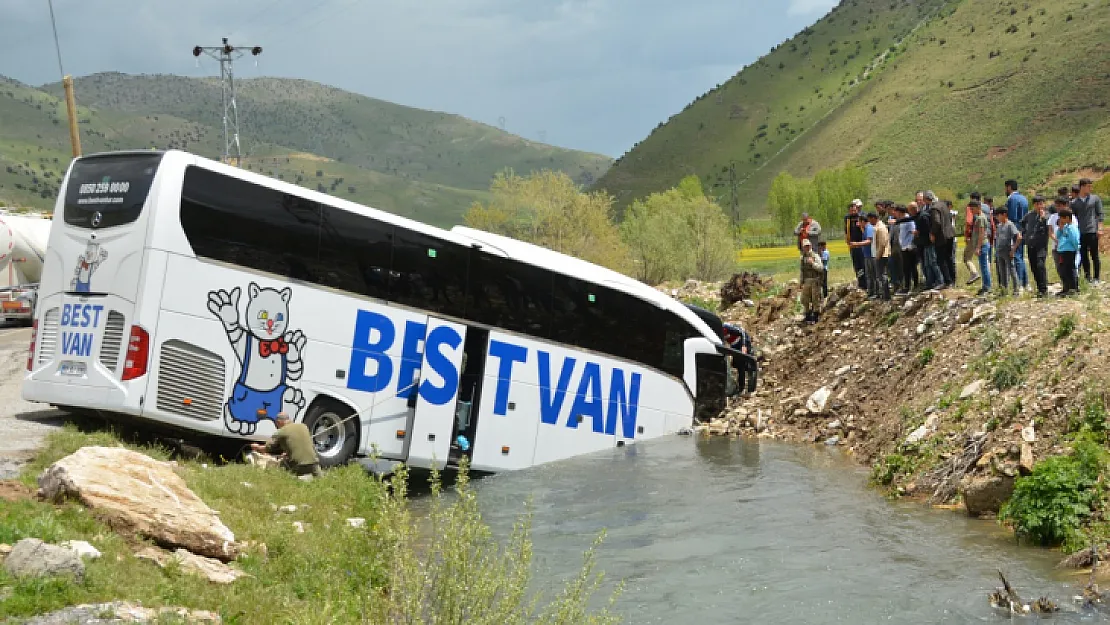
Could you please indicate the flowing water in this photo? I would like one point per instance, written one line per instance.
(719, 531)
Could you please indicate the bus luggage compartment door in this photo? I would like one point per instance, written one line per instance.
(434, 418)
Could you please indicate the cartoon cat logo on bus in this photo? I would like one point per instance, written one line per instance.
(269, 356)
(86, 266)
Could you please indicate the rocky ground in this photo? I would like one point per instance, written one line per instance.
(948, 396)
(23, 423)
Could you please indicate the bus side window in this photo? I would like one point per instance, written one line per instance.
(246, 224)
(356, 252)
(429, 273)
(510, 294)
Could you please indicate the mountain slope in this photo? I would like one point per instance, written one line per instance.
(373, 134)
(35, 151)
(977, 91)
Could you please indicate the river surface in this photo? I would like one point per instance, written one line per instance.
(719, 531)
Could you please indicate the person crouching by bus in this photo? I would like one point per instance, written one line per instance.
(293, 442)
(812, 271)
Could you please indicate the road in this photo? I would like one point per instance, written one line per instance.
(24, 424)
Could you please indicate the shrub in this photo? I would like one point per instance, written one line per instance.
(924, 357)
(1064, 328)
(1049, 507)
(1009, 371)
(890, 467)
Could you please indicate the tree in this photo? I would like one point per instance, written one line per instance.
(547, 208)
(780, 201)
(679, 233)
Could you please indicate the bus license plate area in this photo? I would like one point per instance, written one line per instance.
(71, 368)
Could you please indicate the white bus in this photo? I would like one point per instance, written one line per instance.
(189, 293)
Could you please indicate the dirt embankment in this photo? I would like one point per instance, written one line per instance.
(948, 396)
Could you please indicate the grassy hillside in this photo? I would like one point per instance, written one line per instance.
(958, 94)
(430, 166)
(373, 134)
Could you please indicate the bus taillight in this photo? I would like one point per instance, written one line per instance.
(138, 348)
(31, 352)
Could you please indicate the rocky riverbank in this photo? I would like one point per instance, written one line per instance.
(949, 397)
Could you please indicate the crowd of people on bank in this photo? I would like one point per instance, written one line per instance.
(897, 249)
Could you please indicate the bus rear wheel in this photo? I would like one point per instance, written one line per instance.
(334, 433)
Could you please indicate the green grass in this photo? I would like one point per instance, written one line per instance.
(421, 164)
(438, 563)
(940, 112)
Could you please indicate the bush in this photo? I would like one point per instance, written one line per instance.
(1064, 328)
(924, 357)
(1049, 507)
(1009, 371)
(890, 467)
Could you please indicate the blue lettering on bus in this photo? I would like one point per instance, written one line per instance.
(375, 334)
(587, 402)
(551, 404)
(84, 316)
(441, 364)
(363, 350)
(506, 354)
(410, 358)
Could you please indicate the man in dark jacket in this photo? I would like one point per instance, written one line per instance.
(944, 237)
(1034, 232)
(854, 234)
(1087, 208)
(926, 247)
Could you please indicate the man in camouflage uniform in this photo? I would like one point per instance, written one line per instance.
(812, 272)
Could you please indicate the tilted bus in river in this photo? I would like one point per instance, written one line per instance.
(190, 293)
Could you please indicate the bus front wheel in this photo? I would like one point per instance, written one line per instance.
(334, 432)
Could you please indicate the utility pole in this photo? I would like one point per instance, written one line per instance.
(226, 55)
(71, 111)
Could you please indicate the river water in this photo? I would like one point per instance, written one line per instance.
(712, 531)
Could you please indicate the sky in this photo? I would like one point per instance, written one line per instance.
(595, 75)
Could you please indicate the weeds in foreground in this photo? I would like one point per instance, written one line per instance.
(1009, 371)
(991, 339)
(924, 357)
(394, 569)
(1064, 328)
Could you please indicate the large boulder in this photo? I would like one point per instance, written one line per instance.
(984, 496)
(136, 494)
(31, 557)
(209, 568)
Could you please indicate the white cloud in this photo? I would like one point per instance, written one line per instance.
(809, 8)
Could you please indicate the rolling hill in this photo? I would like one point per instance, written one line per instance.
(956, 94)
(413, 162)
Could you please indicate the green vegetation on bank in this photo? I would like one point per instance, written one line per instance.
(825, 198)
(673, 235)
(962, 94)
(401, 566)
(417, 163)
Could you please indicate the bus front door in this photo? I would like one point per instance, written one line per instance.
(434, 413)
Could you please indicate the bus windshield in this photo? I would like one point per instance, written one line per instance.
(106, 191)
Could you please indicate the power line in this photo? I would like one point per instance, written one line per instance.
(57, 48)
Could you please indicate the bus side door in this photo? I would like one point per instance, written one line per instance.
(434, 417)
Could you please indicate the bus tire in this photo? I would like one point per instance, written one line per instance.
(338, 444)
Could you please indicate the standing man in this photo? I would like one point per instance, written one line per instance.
(923, 241)
(1034, 232)
(868, 256)
(972, 242)
(1007, 238)
(853, 233)
(1017, 206)
(886, 215)
(941, 234)
(293, 443)
(906, 231)
(981, 237)
(812, 268)
(808, 228)
(1087, 209)
(880, 254)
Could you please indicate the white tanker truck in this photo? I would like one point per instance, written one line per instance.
(23, 241)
